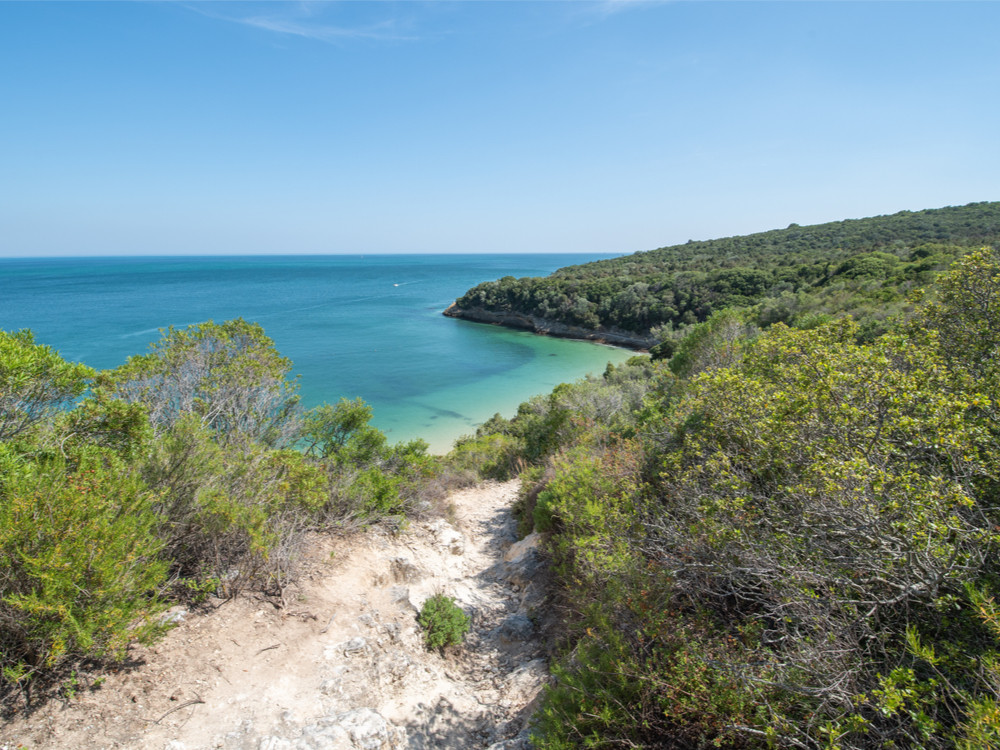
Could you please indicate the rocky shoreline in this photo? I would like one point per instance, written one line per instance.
(547, 327)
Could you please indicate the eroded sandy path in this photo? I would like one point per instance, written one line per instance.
(342, 665)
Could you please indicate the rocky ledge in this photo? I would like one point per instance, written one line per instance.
(547, 327)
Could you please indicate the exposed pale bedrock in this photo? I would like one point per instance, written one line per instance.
(548, 327)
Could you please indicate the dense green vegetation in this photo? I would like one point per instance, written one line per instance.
(780, 532)
(189, 471)
(777, 539)
(443, 621)
(798, 275)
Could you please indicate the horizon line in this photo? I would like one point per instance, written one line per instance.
(311, 255)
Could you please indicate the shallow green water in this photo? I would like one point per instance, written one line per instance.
(439, 415)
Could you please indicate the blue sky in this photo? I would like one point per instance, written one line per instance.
(357, 127)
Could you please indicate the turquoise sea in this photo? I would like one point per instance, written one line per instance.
(368, 326)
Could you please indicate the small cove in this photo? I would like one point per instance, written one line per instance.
(354, 326)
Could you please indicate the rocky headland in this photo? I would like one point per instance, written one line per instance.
(548, 327)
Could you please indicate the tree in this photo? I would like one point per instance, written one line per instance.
(328, 428)
(717, 342)
(35, 383)
(967, 313)
(229, 375)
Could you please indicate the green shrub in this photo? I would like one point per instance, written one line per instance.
(375, 494)
(646, 677)
(327, 429)
(533, 482)
(107, 423)
(79, 565)
(236, 516)
(542, 516)
(443, 621)
(491, 456)
(590, 510)
(369, 479)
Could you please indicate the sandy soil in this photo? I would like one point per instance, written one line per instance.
(342, 664)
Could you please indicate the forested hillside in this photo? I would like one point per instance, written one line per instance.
(864, 267)
(783, 538)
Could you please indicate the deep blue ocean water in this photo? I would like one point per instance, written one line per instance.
(368, 326)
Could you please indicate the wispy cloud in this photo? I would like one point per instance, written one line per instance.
(602, 9)
(301, 20)
(616, 6)
(322, 32)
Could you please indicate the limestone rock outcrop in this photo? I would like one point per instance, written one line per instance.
(548, 327)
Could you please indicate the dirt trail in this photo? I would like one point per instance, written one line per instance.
(342, 665)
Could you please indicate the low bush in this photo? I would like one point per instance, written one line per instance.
(644, 675)
(797, 549)
(533, 481)
(443, 621)
(231, 516)
(489, 455)
(79, 565)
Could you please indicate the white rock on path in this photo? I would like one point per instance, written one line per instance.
(448, 537)
(369, 730)
(358, 729)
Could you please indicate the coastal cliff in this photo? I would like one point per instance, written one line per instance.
(548, 327)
